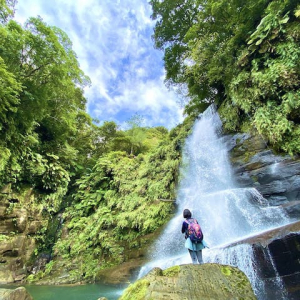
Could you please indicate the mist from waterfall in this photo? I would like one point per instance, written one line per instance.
(225, 212)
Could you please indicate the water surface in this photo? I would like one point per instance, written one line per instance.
(79, 292)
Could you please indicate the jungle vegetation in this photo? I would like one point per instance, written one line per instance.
(241, 55)
(108, 183)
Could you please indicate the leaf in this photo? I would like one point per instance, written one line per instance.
(258, 42)
(284, 21)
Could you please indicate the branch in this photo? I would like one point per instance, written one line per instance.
(167, 200)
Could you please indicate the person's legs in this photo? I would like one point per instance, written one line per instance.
(193, 256)
(199, 256)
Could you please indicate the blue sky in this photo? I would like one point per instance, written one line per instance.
(112, 40)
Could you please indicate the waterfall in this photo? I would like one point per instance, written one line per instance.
(225, 212)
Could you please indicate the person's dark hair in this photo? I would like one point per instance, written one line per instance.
(187, 213)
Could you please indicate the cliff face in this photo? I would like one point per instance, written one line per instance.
(276, 177)
(20, 225)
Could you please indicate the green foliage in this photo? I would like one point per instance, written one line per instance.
(266, 88)
(9, 92)
(136, 291)
(172, 271)
(41, 274)
(3, 238)
(174, 19)
(42, 108)
(6, 10)
(136, 134)
(118, 203)
(208, 34)
(241, 55)
(4, 157)
(112, 206)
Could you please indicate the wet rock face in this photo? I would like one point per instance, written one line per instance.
(279, 262)
(276, 177)
(277, 256)
(40, 263)
(207, 281)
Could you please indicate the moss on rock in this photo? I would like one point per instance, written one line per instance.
(208, 281)
(171, 272)
(226, 271)
(136, 291)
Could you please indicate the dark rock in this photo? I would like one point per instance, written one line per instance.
(292, 209)
(285, 253)
(275, 187)
(277, 200)
(276, 177)
(40, 263)
(11, 253)
(277, 256)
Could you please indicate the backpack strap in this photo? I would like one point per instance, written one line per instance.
(187, 229)
(192, 221)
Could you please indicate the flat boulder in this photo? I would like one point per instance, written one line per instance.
(19, 293)
(192, 282)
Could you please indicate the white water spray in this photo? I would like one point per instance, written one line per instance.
(225, 212)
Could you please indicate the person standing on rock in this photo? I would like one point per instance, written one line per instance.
(194, 237)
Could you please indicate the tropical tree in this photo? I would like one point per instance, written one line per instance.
(42, 104)
(136, 133)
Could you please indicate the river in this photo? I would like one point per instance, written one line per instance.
(74, 292)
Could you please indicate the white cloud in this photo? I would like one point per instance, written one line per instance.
(113, 43)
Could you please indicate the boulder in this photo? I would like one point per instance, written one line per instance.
(277, 256)
(19, 293)
(193, 282)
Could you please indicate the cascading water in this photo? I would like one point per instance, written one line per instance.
(225, 212)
